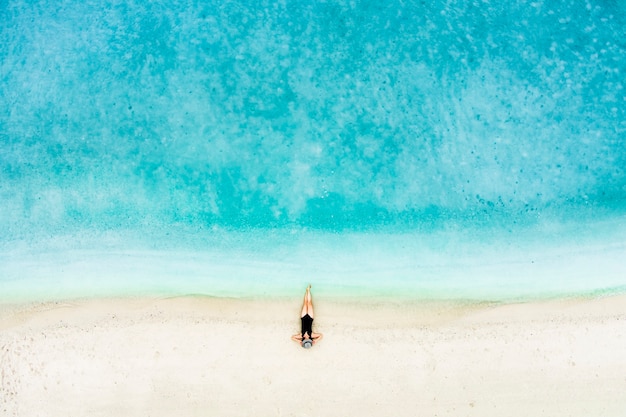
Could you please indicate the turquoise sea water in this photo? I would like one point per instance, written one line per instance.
(440, 149)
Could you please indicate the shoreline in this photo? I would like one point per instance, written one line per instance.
(382, 310)
(438, 265)
(208, 355)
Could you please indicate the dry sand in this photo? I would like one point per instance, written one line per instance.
(201, 356)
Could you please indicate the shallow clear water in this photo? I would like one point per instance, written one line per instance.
(429, 149)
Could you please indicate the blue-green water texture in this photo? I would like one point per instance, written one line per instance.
(423, 149)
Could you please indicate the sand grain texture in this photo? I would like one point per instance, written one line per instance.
(196, 356)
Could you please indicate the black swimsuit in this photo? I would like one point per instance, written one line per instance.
(307, 326)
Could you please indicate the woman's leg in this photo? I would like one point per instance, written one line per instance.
(307, 304)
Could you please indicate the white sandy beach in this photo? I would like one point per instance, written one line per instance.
(201, 356)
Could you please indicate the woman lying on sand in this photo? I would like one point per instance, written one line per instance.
(307, 338)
